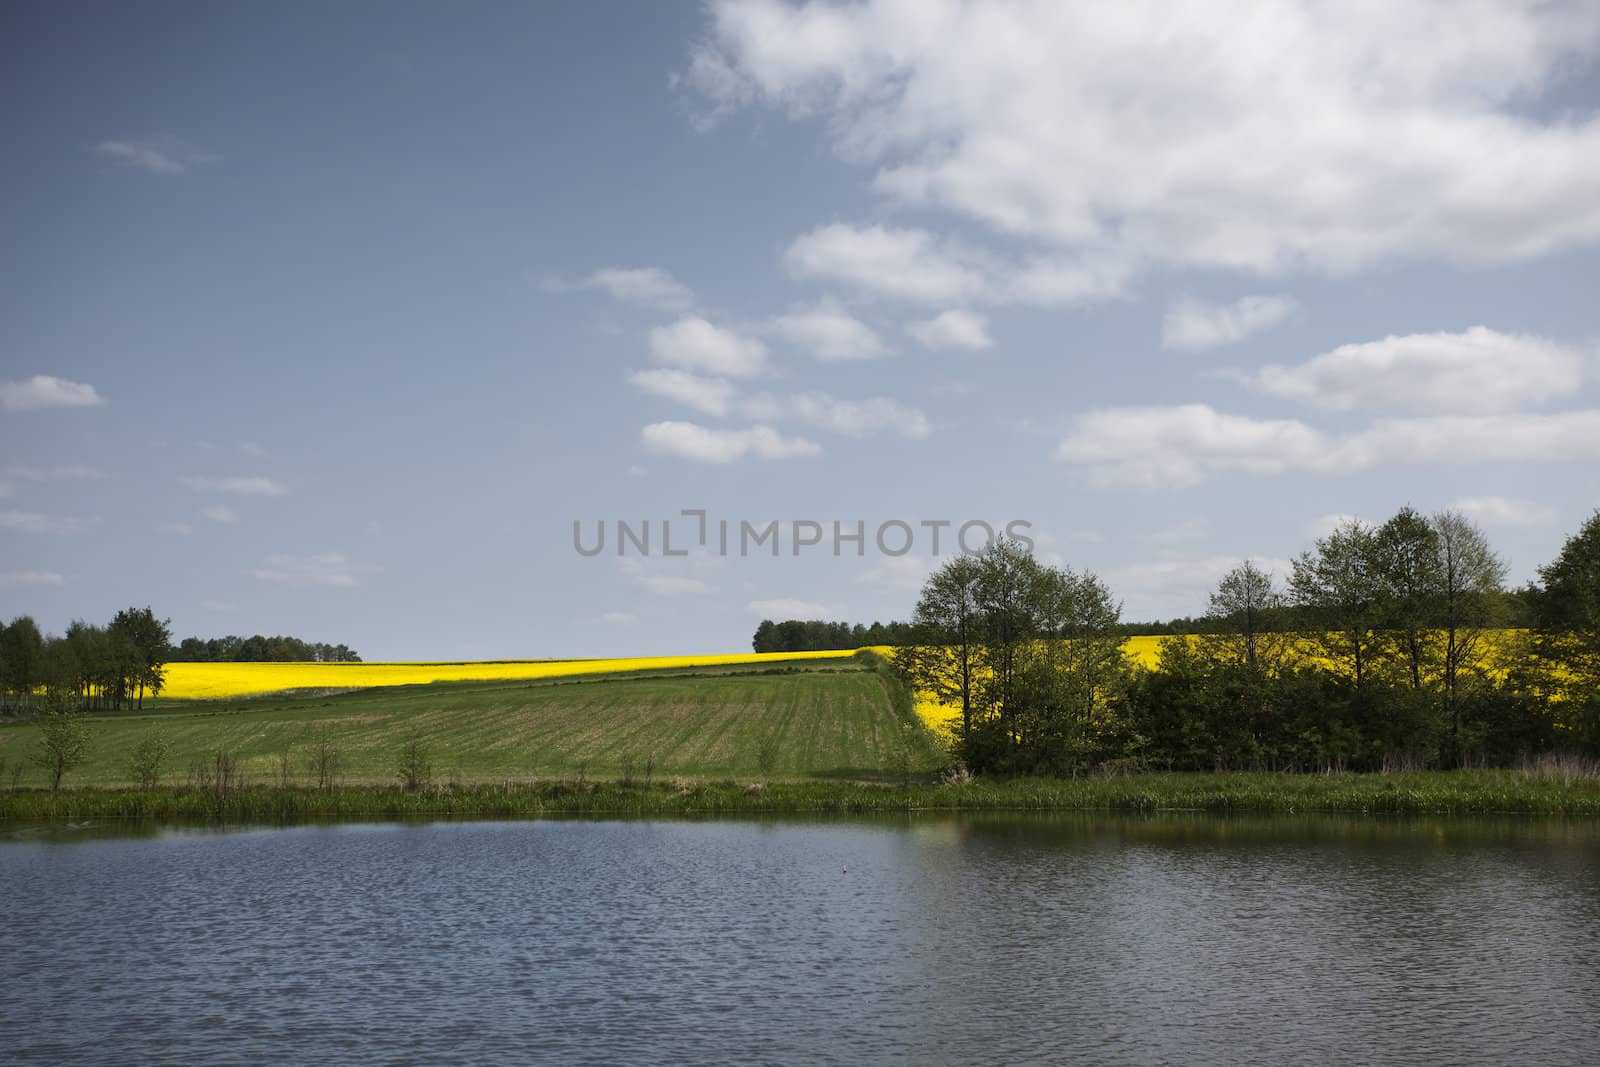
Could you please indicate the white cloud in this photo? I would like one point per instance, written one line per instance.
(692, 441)
(250, 448)
(904, 264)
(852, 418)
(176, 528)
(61, 472)
(323, 569)
(1181, 445)
(783, 608)
(237, 486)
(34, 522)
(13, 579)
(667, 586)
(1169, 135)
(1323, 525)
(144, 156)
(916, 266)
(1499, 512)
(218, 513)
(1163, 588)
(1478, 371)
(694, 344)
(44, 391)
(710, 395)
(953, 329)
(830, 334)
(646, 286)
(1193, 325)
(619, 618)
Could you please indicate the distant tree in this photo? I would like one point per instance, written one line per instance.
(1471, 602)
(144, 644)
(943, 660)
(21, 659)
(1341, 594)
(1407, 569)
(1248, 612)
(1569, 610)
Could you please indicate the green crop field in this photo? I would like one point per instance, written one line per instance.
(827, 719)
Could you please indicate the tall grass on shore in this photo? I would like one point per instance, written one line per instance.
(1534, 791)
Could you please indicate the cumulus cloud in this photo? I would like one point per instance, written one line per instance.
(901, 573)
(1323, 525)
(245, 486)
(1500, 512)
(1183, 444)
(693, 344)
(1167, 135)
(1193, 325)
(916, 266)
(689, 440)
(830, 334)
(15, 579)
(953, 329)
(142, 155)
(710, 395)
(852, 418)
(1167, 587)
(44, 391)
(330, 569)
(669, 586)
(784, 608)
(646, 286)
(1478, 371)
(218, 513)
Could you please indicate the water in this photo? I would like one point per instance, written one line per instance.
(928, 940)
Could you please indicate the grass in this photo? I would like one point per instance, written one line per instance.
(826, 719)
(1424, 793)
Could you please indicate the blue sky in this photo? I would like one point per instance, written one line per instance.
(332, 320)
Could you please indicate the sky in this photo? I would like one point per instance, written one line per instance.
(334, 320)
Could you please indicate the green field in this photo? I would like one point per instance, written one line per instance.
(828, 719)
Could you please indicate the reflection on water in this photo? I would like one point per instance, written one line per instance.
(953, 939)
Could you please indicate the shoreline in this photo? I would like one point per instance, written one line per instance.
(1417, 793)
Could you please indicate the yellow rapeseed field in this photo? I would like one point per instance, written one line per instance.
(216, 681)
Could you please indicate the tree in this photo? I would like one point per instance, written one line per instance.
(63, 740)
(1006, 592)
(21, 658)
(146, 760)
(1338, 587)
(1568, 610)
(1407, 569)
(1248, 611)
(943, 658)
(1470, 578)
(143, 645)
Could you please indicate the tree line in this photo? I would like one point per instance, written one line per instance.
(259, 649)
(818, 635)
(1385, 647)
(110, 667)
(90, 667)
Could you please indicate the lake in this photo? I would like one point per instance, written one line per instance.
(930, 939)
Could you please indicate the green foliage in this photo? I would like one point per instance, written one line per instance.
(148, 758)
(415, 766)
(259, 649)
(63, 742)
